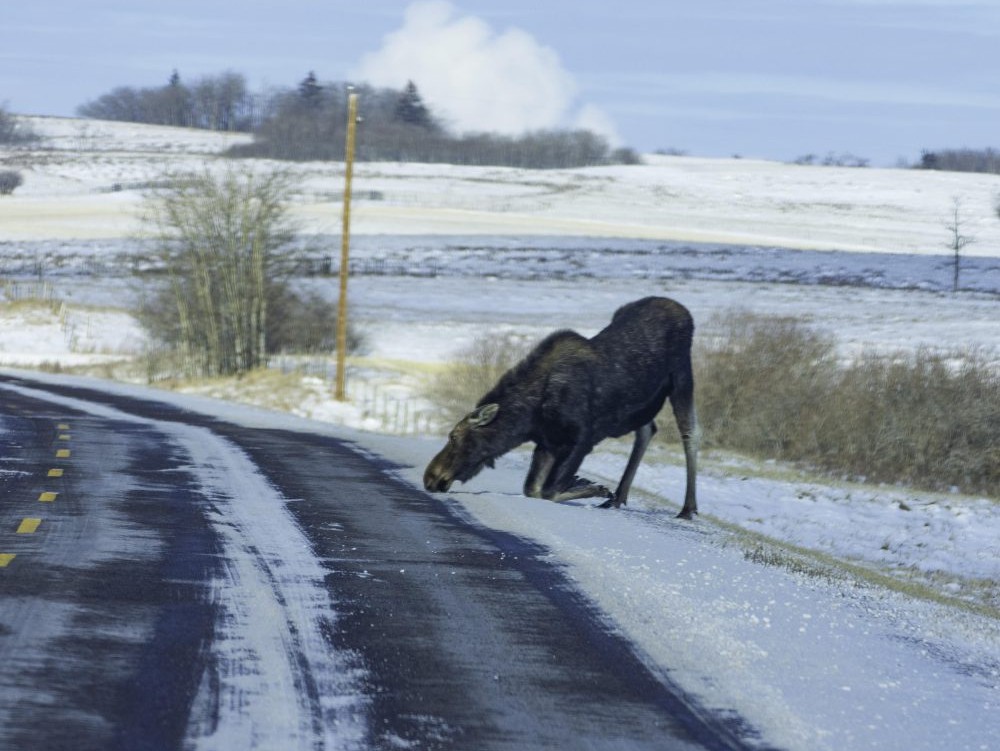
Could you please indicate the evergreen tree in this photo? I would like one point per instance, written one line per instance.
(310, 90)
(410, 108)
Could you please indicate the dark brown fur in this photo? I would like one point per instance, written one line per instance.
(571, 392)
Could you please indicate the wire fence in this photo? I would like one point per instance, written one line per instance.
(381, 403)
(16, 290)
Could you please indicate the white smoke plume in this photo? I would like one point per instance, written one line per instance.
(477, 78)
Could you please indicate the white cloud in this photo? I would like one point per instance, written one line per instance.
(597, 120)
(478, 78)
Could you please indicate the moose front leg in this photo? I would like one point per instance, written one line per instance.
(542, 462)
(563, 483)
(548, 479)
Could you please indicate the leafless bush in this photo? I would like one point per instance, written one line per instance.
(475, 371)
(221, 241)
(772, 388)
(10, 181)
(14, 130)
(930, 419)
(305, 324)
(760, 383)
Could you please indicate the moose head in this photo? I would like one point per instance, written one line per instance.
(472, 444)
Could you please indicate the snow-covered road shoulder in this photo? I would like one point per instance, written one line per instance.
(804, 659)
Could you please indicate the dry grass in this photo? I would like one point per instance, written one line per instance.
(456, 388)
(773, 388)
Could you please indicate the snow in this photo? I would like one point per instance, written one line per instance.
(807, 664)
(825, 615)
(67, 193)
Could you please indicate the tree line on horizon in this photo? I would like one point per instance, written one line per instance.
(309, 122)
(961, 160)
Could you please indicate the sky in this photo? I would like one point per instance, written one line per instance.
(775, 79)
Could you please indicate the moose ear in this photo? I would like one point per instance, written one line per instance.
(484, 415)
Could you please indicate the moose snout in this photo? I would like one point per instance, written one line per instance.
(436, 480)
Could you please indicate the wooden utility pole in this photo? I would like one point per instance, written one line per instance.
(345, 245)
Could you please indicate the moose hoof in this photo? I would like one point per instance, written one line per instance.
(687, 513)
(612, 502)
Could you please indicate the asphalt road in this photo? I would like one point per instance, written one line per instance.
(448, 635)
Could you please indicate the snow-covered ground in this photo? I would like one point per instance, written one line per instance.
(68, 194)
(827, 615)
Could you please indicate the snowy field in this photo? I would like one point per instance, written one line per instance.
(825, 614)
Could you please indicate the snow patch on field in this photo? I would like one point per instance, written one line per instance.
(69, 179)
(811, 659)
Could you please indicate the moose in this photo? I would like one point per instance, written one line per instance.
(570, 393)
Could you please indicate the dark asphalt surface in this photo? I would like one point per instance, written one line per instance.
(468, 638)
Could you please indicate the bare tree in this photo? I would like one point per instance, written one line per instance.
(10, 180)
(14, 130)
(220, 239)
(957, 241)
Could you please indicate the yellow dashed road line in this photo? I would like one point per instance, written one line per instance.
(28, 526)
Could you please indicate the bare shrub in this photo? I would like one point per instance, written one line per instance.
(222, 241)
(476, 370)
(930, 419)
(14, 130)
(10, 181)
(305, 324)
(773, 388)
(761, 382)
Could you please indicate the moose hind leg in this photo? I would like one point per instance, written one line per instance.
(682, 401)
(642, 438)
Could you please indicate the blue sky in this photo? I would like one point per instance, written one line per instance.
(881, 79)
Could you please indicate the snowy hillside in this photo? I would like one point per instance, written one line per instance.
(67, 194)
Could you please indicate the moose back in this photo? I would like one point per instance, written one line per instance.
(570, 393)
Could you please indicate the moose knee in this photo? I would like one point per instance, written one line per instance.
(533, 489)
